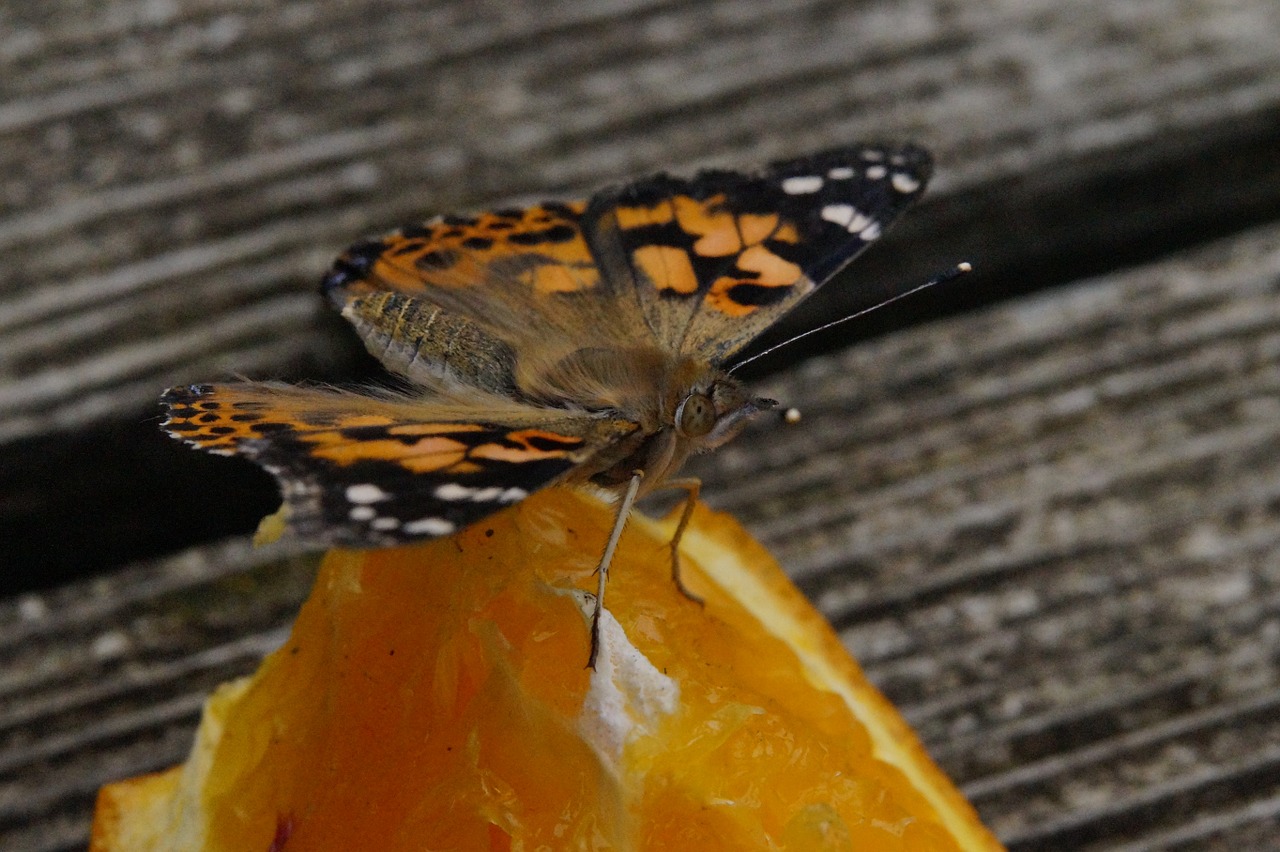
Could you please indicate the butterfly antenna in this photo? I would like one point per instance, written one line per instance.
(950, 275)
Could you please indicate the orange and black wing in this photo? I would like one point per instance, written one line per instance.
(719, 257)
(539, 248)
(697, 266)
(363, 471)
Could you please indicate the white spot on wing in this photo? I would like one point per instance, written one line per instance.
(858, 222)
(362, 513)
(870, 232)
(841, 214)
(385, 523)
(877, 172)
(366, 492)
(905, 183)
(841, 173)
(453, 491)
(429, 526)
(801, 184)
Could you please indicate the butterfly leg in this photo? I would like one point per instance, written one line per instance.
(692, 488)
(602, 570)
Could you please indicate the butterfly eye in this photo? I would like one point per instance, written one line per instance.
(696, 416)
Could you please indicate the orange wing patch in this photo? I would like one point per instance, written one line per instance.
(541, 247)
(669, 268)
(676, 243)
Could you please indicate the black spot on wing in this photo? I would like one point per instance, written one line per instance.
(270, 428)
(182, 426)
(758, 296)
(554, 234)
(353, 265)
(419, 231)
(436, 260)
(560, 210)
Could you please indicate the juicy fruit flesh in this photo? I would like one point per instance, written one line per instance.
(433, 697)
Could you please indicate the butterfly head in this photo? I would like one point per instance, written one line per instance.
(711, 415)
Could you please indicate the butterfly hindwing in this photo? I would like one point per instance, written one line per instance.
(363, 471)
(522, 279)
(540, 247)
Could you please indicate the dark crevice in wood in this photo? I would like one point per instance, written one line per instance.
(103, 497)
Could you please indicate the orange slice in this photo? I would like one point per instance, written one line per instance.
(435, 697)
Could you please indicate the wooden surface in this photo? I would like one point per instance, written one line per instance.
(1048, 526)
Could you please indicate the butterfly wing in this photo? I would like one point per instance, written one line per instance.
(719, 257)
(365, 471)
(540, 249)
(525, 278)
(696, 266)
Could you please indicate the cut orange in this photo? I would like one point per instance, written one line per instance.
(435, 697)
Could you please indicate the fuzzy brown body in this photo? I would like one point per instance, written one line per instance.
(637, 389)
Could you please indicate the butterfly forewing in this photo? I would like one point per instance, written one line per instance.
(719, 257)
(364, 471)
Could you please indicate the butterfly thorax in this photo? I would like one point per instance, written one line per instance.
(680, 406)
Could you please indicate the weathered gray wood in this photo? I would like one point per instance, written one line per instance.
(1048, 529)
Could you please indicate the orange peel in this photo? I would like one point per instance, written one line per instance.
(434, 697)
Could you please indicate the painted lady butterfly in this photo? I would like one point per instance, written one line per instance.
(577, 342)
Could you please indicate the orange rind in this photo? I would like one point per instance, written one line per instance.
(435, 697)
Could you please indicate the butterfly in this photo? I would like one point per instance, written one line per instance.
(581, 342)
